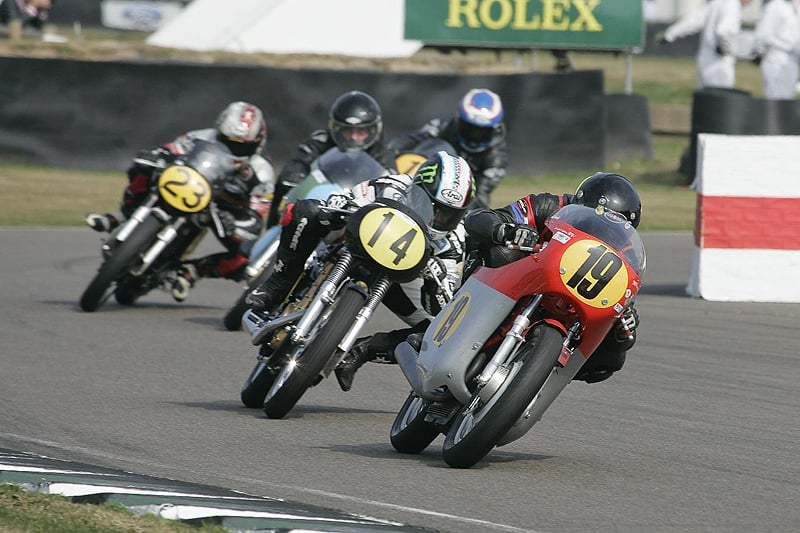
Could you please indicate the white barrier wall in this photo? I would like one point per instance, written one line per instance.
(747, 230)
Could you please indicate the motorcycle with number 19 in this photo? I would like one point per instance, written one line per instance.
(513, 337)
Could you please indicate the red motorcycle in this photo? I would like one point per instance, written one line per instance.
(501, 351)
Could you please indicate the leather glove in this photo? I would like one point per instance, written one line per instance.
(437, 287)
(660, 38)
(627, 325)
(225, 223)
(519, 234)
(330, 217)
(435, 269)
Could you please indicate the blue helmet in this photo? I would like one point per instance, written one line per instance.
(479, 113)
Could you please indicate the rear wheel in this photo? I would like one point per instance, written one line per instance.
(120, 260)
(303, 370)
(479, 426)
(410, 433)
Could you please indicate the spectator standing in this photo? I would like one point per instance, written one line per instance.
(718, 23)
(31, 13)
(777, 48)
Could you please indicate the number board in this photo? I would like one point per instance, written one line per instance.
(184, 189)
(392, 238)
(594, 273)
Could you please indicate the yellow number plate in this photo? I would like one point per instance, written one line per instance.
(594, 273)
(392, 238)
(184, 189)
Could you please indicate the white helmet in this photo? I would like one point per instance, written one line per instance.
(241, 127)
(449, 183)
(479, 113)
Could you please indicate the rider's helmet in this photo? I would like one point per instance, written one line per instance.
(448, 181)
(479, 114)
(613, 192)
(242, 129)
(355, 121)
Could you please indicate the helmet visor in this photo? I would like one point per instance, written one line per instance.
(353, 138)
(473, 137)
(238, 147)
(446, 218)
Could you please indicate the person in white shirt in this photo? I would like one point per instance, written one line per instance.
(718, 23)
(777, 48)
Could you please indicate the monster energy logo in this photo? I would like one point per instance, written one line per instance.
(426, 174)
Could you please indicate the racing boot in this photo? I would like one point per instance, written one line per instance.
(101, 223)
(186, 276)
(276, 287)
(269, 294)
(347, 368)
(379, 347)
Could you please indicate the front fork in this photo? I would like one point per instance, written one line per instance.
(511, 342)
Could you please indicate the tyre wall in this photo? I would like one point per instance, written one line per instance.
(736, 112)
(98, 114)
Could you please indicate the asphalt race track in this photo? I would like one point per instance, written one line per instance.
(699, 432)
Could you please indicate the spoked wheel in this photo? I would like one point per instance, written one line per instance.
(410, 433)
(482, 423)
(120, 260)
(305, 365)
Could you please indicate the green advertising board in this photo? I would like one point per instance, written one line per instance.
(564, 24)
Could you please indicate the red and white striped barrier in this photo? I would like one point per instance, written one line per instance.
(747, 229)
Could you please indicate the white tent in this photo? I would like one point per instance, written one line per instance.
(358, 28)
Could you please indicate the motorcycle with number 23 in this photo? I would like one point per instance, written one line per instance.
(145, 251)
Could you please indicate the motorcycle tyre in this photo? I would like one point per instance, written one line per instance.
(257, 385)
(315, 355)
(233, 318)
(118, 263)
(493, 420)
(411, 434)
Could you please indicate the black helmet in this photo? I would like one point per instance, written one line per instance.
(448, 181)
(355, 121)
(612, 191)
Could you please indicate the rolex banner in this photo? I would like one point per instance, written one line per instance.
(563, 24)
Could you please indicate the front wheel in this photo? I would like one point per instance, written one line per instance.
(479, 426)
(302, 371)
(257, 384)
(120, 260)
(410, 433)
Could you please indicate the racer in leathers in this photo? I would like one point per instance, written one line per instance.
(522, 223)
(355, 123)
(448, 181)
(241, 200)
(478, 134)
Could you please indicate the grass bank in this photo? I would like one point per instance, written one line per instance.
(42, 196)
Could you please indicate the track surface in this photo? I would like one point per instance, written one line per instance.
(698, 433)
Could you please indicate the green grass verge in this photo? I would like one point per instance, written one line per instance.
(34, 512)
(41, 196)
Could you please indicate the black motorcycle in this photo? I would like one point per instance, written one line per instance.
(145, 251)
